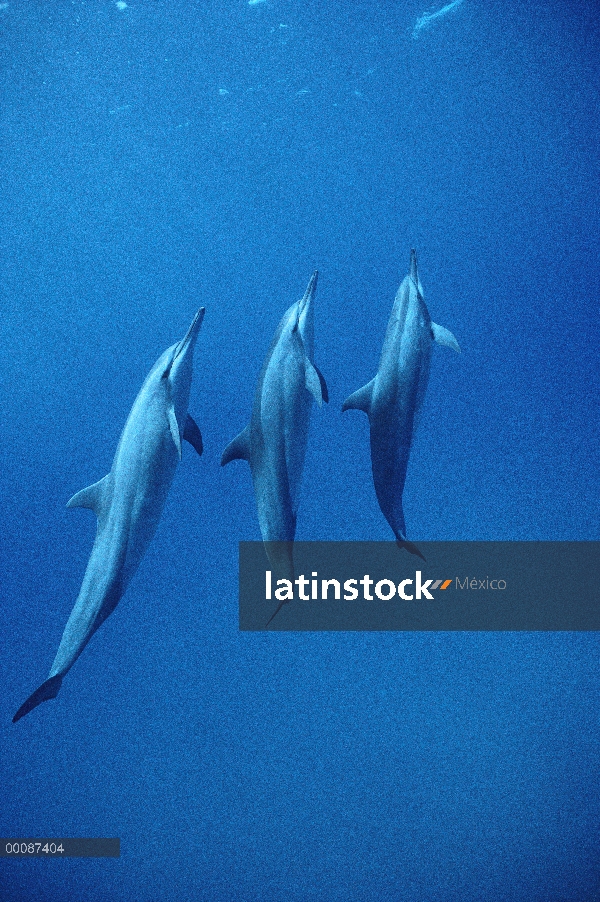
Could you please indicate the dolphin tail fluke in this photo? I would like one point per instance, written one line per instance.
(444, 337)
(49, 689)
(361, 399)
(238, 449)
(402, 543)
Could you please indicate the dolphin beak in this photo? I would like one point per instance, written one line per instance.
(310, 290)
(303, 308)
(189, 341)
(305, 302)
(414, 272)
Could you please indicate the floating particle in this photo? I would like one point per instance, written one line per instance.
(426, 19)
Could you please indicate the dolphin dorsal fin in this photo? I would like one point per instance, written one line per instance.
(238, 449)
(91, 497)
(444, 337)
(315, 383)
(361, 399)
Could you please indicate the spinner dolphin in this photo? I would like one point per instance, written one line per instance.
(274, 443)
(129, 501)
(393, 399)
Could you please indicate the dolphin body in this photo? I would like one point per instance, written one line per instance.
(274, 443)
(392, 400)
(129, 501)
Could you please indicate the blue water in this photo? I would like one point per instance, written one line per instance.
(167, 155)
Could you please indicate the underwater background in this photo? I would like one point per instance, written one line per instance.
(158, 156)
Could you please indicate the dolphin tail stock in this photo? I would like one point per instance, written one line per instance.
(281, 558)
(444, 337)
(410, 546)
(49, 689)
(238, 449)
(361, 399)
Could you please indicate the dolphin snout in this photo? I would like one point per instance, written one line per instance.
(414, 272)
(192, 332)
(191, 335)
(310, 290)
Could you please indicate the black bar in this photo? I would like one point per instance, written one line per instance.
(59, 848)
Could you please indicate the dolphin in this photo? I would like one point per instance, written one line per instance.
(274, 443)
(129, 501)
(392, 400)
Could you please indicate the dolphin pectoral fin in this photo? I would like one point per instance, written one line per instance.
(174, 427)
(49, 689)
(402, 543)
(238, 449)
(193, 435)
(324, 389)
(90, 497)
(314, 382)
(361, 399)
(444, 337)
